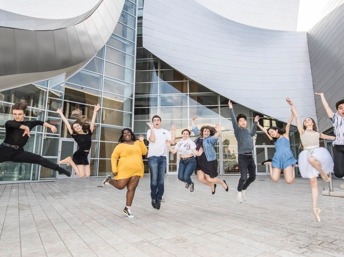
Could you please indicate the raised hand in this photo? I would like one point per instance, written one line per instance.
(59, 111)
(96, 108)
(218, 127)
(256, 119)
(230, 105)
(289, 101)
(141, 138)
(150, 125)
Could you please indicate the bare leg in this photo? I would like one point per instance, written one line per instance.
(131, 187)
(275, 173)
(119, 184)
(289, 174)
(69, 161)
(216, 180)
(81, 169)
(87, 171)
(201, 178)
(317, 165)
(314, 187)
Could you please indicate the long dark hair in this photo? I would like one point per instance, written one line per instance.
(84, 125)
(314, 125)
(121, 139)
(280, 131)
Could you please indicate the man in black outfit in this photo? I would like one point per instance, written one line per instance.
(17, 135)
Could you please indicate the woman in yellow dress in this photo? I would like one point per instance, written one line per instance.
(127, 166)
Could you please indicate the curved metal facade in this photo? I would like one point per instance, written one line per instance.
(326, 50)
(257, 68)
(41, 54)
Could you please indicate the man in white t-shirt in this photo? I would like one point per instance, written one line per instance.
(157, 158)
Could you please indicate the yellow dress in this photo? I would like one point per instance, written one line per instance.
(126, 160)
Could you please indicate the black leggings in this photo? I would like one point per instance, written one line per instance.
(19, 155)
(338, 159)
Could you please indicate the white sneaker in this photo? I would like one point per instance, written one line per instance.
(240, 197)
(244, 195)
(127, 212)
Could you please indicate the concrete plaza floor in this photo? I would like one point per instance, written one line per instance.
(74, 217)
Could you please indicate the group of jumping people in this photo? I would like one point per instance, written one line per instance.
(197, 156)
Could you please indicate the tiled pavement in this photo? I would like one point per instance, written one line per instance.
(74, 217)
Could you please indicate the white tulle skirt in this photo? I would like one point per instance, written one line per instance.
(319, 153)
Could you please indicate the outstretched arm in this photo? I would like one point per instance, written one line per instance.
(264, 130)
(94, 116)
(327, 137)
(52, 128)
(325, 104)
(293, 114)
(66, 122)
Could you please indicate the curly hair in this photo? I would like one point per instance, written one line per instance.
(121, 138)
(211, 129)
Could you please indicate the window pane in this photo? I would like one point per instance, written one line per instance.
(118, 72)
(174, 87)
(88, 79)
(117, 118)
(120, 58)
(148, 101)
(95, 65)
(109, 134)
(118, 87)
(174, 100)
(146, 88)
(117, 102)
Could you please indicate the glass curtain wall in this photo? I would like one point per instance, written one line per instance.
(108, 79)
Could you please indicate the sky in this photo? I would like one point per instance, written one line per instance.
(310, 12)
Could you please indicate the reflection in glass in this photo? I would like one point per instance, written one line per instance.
(95, 65)
(118, 87)
(120, 58)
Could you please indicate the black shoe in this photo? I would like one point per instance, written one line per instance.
(187, 185)
(154, 204)
(192, 187)
(268, 160)
(158, 203)
(226, 185)
(106, 180)
(63, 171)
(213, 192)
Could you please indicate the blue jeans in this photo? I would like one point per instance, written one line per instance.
(246, 165)
(185, 170)
(157, 167)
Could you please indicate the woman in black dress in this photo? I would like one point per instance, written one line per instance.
(17, 135)
(82, 134)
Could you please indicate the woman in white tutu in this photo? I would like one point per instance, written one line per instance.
(313, 160)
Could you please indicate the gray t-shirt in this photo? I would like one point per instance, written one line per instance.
(243, 135)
